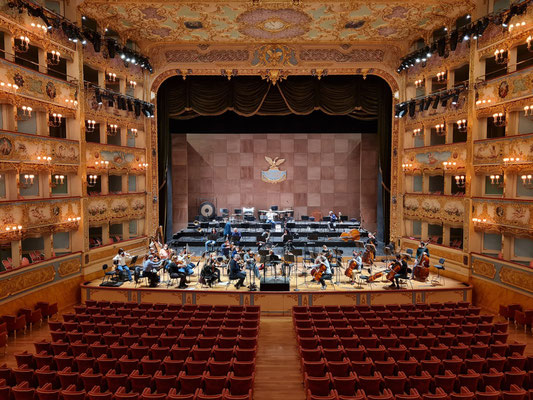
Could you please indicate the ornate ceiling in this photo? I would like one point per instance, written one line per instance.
(153, 23)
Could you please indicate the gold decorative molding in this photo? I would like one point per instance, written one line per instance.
(116, 208)
(484, 268)
(25, 281)
(435, 208)
(517, 278)
(69, 267)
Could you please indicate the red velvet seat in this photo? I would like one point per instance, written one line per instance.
(47, 392)
(489, 394)
(446, 381)
(139, 382)
(396, 383)
(421, 383)
(371, 384)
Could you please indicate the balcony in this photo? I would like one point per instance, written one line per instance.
(489, 154)
(430, 159)
(513, 217)
(117, 207)
(120, 158)
(435, 208)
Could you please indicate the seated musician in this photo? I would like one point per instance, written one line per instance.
(184, 260)
(358, 260)
(422, 248)
(235, 271)
(150, 269)
(249, 258)
(287, 236)
(235, 250)
(323, 260)
(401, 273)
(270, 217)
(120, 261)
(225, 248)
(164, 252)
(211, 239)
(236, 236)
(210, 273)
(263, 240)
(176, 272)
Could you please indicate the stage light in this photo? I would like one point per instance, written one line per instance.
(436, 102)
(137, 106)
(455, 98)
(444, 100)
(421, 105)
(412, 108)
(454, 37)
(428, 103)
(98, 96)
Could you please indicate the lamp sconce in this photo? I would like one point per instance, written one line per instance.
(479, 220)
(442, 76)
(92, 180)
(101, 164)
(27, 181)
(483, 102)
(499, 119)
(440, 129)
(111, 77)
(509, 161)
(40, 27)
(24, 113)
(132, 84)
(460, 181)
(527, 181)
(57, 180)
(495, 180)
(12, 232)
(54, 120)
(70, 102)
(529, 43)
(73, 219)
(420, 83)
(528, 111)
(407, 167)
(517, 25)
(90, 125)
(44, 159)
(112, 129)
(500, 56)
(10, 87)
(417, 132)
(132, 132)
(462, 125)
(449, 165)
(143, 165)
(54, 57)
(22, 44)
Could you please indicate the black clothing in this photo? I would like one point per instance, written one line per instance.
(236, 273)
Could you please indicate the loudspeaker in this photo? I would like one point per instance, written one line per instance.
(274, 285)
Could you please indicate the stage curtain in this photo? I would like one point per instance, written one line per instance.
(163, 151)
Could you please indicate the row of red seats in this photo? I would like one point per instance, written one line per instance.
(180, 387)
(167, 306)
(381, 307)
(95, 312)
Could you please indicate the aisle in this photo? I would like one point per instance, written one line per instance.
(277, 374)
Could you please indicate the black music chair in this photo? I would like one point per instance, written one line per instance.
(108, 275)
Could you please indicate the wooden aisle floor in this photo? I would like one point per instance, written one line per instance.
(277, 373)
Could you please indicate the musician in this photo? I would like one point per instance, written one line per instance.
(211, 239)
(327, 252)
(401, 273)
(184, 260)
(358, 260)
(120, 261)
(270, 217)
(235, 271)
(263, 240)
(175, 272)
(249, 258)
(150, 269)
(421, 262)
(164, 252)
(210, 273)
(236, 236)
(372, 239)
(287, 236)
(227, 229)
(422, 248)
(225, 249)
(322, 260)
(332, 216)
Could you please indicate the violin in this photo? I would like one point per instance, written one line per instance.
(352, 235)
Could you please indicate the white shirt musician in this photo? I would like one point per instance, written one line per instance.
(322, 260)
(270, 215)
(358, 260)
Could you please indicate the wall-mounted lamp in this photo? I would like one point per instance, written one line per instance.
(46, 159)
(526, 181)
(40, 27)
(8, 86)
(24, 113)
(420, 83)
(483, 102)
(417, 132)
(90, 125)
(54, 57)
(73, 219)
(460, 181)
(70, 102)
(495, 180)
(407, 167)
(143, 165)
(57, 180)
(22, 44)
(442, 76)
(440, 129)
(28, 181)
(500, 56)
(499, 119)
(111, 77)
(54, 120)
(510, 160)
(449, 165)
(112, 129)
(133, 84)
(101, 164)
(132, 132)
(528, 111)
(92, 180)
(461, 125)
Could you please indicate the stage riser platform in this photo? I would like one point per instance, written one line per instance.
(276, 303)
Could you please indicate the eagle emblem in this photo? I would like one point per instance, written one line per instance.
(273, 174)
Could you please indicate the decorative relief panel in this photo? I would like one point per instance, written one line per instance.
(116, 208)
(25, 281)
(493, 151)
(430, 159)
(505, 88)
(484, 268)
(512, 276)
(338, 56)
(196, 56)
(517, 278)
(39, 213)
(434, 208)
(102, 62)
(26, 148)
(69, 267)
(120, 158)
(38, 86)
(515, 218)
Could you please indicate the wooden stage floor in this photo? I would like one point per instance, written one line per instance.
(307, 292)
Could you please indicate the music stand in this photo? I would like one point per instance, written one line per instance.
(263, 260)
(338, 264)
(296, 253)
(388, 252)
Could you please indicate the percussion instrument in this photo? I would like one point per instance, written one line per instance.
(207, 209)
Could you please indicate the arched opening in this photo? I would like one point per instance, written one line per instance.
(345, 122)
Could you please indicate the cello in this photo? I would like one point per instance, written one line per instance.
(317, 272)
(352, 235)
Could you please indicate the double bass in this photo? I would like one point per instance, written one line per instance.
(421, 269)
(352, 235)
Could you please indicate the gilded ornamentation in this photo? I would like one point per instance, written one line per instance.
(483, 268)
(51, 90)
(434, 208)
(69, 267)
(119, 158)
(195, 56)
(22, 282)
(274, 56)
(494, 150)
(273, 174)
(116, 208)
(517, 278)
(334, 55)
(274, 75)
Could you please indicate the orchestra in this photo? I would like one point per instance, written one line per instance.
(235, 261)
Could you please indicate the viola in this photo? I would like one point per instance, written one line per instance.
(353, 235)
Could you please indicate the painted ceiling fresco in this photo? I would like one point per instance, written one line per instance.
(150, 23)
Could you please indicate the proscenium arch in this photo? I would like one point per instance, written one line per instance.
(386, 189)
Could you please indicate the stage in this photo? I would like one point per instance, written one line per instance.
(281, 302)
